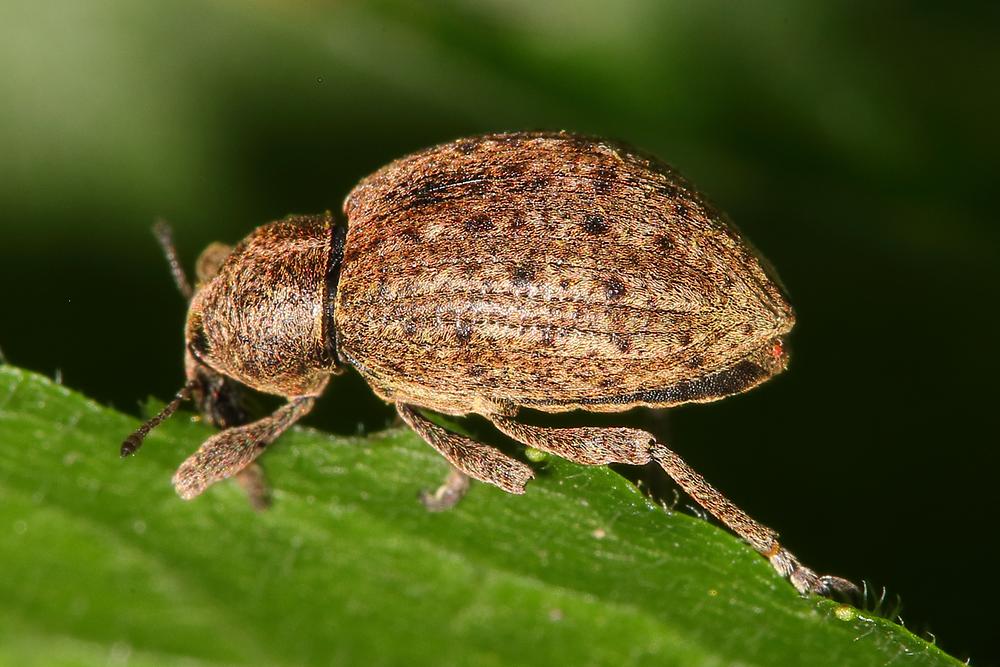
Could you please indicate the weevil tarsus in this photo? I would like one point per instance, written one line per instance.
(598, 446)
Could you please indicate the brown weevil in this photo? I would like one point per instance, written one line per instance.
(545, 271)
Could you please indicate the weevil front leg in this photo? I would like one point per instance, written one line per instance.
(597, 446)
(471, 458)
(219, 398)
(227, 453)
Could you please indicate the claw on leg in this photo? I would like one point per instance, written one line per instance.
(806, 581)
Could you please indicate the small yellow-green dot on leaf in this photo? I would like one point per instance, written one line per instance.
(535, 455)
(844, 612)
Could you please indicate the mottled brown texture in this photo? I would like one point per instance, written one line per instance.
(542, 270)
(261, 319)
(542, 261)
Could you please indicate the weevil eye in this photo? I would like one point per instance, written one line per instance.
(197, 342)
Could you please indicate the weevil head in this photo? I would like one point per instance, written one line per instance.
(265, 317)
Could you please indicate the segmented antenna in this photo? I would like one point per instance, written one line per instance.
(165, 235)
(134, 441)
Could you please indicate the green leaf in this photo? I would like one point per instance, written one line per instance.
(104, 564)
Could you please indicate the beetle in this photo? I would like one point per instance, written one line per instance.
(489, 275)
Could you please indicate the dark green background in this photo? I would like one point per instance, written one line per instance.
(856, 145)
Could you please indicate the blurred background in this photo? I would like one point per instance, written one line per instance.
(855, 143)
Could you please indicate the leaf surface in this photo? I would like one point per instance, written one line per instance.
(104, 564)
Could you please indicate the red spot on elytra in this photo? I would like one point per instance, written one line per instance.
(777, 349)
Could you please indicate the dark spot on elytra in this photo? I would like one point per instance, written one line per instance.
(409, 327)
(664, 243)
(669, 190)
(621, 342)
(579, 142)
(548, 336)
(537, 183)
(748, 329)
(613, 288)
(511, 170)
(564, 283)
(604, 177)
(684, 338)
(595, 224)
(523, 274)
(428, 192)
(463, 331)
(696, 362)
(349, 256)
(410, 233)
(517, 221)
(478, 224)
(681, 210)
(466, 146)
(476, 370)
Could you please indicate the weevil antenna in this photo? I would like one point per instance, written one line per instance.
(134, 441)
(165, 235)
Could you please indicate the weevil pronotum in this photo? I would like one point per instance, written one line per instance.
(543, 271)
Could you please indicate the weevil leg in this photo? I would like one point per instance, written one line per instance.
(479, 461)
(251, 479)
(454, 488)
(230, 451)
(596, 446)
(218, 398)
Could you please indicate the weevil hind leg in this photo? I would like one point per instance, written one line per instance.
(471, 458)
(597, 446)
(230, 451)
